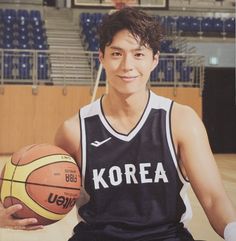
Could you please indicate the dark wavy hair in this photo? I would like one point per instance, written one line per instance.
(143, 27)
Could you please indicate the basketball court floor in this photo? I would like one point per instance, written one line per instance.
(199, 225)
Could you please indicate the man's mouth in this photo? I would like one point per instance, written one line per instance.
(127, 78)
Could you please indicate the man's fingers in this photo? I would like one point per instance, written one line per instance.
(29, 228)
(26, 224)
(13, 209)
(14, 223)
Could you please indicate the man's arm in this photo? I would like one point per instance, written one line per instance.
(196, 157)
(68, 137)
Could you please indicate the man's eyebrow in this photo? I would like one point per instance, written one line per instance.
(115, 48)
(136, 49)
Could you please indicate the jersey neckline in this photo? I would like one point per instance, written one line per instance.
(136, 128)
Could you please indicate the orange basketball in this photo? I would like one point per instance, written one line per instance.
(44, 179)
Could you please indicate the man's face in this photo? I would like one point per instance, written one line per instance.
(127, 64)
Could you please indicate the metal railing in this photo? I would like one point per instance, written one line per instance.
(24, 66)
(38, 67)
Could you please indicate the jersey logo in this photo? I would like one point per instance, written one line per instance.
(99, 143)
(128, 174)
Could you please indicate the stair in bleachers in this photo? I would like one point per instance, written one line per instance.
(63, 37)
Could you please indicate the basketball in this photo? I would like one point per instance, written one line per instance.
(44, 179)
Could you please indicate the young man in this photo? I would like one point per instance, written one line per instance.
(137, 151)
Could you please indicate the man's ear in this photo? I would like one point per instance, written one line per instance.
(100, 55)
(155, 60)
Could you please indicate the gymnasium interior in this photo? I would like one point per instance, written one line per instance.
(49, 69)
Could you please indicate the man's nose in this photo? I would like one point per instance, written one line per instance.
(127, 63)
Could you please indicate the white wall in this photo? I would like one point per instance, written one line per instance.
(222, 53)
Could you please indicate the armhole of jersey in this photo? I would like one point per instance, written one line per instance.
(82, 148)
(173, 146)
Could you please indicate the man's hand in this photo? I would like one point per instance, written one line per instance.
(8, 221)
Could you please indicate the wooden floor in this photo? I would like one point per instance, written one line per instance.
(199, 226)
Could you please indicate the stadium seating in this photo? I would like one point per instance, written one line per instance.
(192, 26)
(22, 29)
(167, 67)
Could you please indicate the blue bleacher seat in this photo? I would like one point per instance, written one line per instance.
(38, 30)
(98, 18)
(103, 75)
(195, 24)
(7, 45)
(207, 25)
(170, 24)
(37, 23)
(23, 30)
(43, 67)
(1, 15)
(154, 77)
(24, 57)
(217, 25)
(172, 50)
(9, 14)
(96, 63)
(23, 22)
(41, 46)
(24, 45)
(8, 40)
(22, 14)
(183, 24)
(24, 65)
(8, 35)
(179, 63)
(93, 44)
(185, 73)
(169, 73)
(8, 71)
(229, 25)
(42, 72)
(23, 37)
(8, 25)
(165, 45)
(39, 39)
(35, 15)
(24, 71)
(83, 17)
(167, 68)
(8, 65)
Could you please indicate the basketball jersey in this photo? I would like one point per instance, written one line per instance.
(133, 183)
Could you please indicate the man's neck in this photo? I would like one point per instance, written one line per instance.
(125, 105)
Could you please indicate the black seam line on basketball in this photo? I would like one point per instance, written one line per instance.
(22, 155)
(29, 148)
(59, 154)
(39, 184)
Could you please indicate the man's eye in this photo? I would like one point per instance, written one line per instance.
(139, 55)
(116, 54)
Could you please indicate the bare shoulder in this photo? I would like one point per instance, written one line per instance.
(186, 122)
(68, 136)
(183, 111)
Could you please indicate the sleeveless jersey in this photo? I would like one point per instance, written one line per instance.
(134, 186)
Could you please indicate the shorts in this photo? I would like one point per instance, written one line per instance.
(83, 232)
